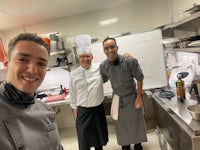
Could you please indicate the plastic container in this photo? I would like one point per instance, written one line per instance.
(47, 40)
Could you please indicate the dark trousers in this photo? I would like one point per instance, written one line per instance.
(126, 147)
(136, 147)
(91, 121)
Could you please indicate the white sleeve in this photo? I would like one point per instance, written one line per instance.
(72, 93)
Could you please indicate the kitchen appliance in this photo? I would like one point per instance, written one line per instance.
(54, 39)
(188, 72)
(61, 62)
(188, 66)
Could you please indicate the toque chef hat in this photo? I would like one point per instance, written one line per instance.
(84, 44)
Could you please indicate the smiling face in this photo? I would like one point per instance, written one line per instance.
(85, 60)
(110, 49)
(26, 66)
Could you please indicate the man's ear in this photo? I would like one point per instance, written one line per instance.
(5, 62)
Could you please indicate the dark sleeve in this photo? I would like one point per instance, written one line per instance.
(136, 70)
(103, 72)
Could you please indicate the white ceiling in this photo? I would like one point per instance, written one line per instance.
(20, 13)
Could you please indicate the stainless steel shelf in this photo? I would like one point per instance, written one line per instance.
(190, 22)
(190, 49)
(60, 67)
(58, 52)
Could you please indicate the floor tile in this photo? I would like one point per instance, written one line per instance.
(69, 139)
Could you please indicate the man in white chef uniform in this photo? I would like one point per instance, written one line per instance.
(86, 94)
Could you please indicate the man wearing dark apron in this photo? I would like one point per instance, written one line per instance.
(86, 94)
(126, 106)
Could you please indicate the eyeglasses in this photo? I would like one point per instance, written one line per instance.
(111, 47)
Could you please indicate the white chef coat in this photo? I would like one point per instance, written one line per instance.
(86, 87)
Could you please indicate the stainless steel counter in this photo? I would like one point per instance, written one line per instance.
(180, 109)
(175, 122)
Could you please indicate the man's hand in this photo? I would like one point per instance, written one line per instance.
(138, 102)
(75, 111)
(127, 54)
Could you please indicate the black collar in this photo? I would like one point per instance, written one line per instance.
(115, 62)
(15, 96)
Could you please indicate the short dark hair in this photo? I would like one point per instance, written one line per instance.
(109, 38)
(26, 37)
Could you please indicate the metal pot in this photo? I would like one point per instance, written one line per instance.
(195, 111)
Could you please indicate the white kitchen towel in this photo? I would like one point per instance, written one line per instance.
(115, 107)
